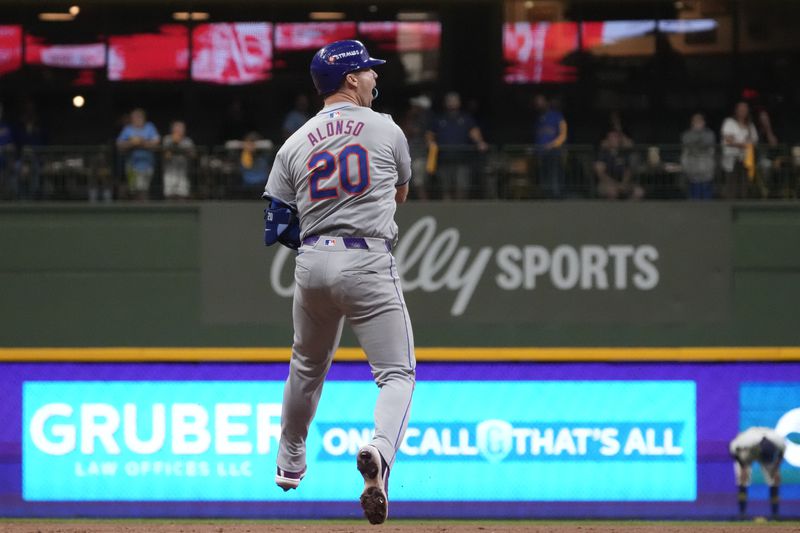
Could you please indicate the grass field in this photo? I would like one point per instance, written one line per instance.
(404, 526)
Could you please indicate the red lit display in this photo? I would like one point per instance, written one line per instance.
(537, 52)
(310, 36)
(150, 56)
(534, 52)
(10, 48)
(403, 36)
(39, 52)
(232, 54)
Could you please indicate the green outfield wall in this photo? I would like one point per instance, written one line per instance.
(578, 274)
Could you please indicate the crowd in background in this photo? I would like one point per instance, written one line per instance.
(451, 158)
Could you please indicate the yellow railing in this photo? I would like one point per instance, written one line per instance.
(425, 354)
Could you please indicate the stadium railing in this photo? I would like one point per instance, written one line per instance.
(508, 172)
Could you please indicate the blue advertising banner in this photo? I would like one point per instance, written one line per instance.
(141, 441)
(775, 405)
(216, 440)
(490, 440)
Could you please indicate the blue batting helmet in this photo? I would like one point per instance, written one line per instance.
(332, 62)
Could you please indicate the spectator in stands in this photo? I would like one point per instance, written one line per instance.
(30, 131)
(297, 116)
(29, 135)
(6, 133)
(100, 176)
(697, 158)
(415, 124)
(765, 130)
(178, 152)
(614, 169)
(657, 176)
(236, 123)
(550, 133)
(138, 142)
(253, 164)
(615, 124)
(455, 135)
(793, 184)
(7, 149)
(770, 158)
(739, 137)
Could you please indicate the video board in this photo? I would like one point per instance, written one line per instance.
(232, 53)
(161, 55)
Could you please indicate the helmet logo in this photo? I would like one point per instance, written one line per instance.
(335, 57)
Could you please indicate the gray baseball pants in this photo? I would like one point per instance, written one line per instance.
(334, 283)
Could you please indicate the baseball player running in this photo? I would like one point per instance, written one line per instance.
(766, 446)
(333, 191)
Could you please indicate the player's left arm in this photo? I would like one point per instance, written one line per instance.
(403, 161)
(281, 222)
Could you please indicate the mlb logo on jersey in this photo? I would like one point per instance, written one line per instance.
(329, 242)
(335, 114)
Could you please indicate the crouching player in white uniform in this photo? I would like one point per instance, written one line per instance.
(766, 446)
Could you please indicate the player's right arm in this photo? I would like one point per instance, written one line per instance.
(401, 193)
(280, 184)
(281, 225)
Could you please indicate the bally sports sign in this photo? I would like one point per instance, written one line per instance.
(541, 263)
(434, 261)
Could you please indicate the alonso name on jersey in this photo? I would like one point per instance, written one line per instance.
(336, 127)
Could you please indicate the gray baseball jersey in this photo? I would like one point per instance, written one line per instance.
(340, 170)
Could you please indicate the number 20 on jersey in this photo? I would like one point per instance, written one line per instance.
(324, 164)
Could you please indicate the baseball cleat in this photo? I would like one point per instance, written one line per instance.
(289, 480)
(374, 499)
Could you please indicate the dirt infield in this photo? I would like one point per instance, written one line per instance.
(401, 526)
